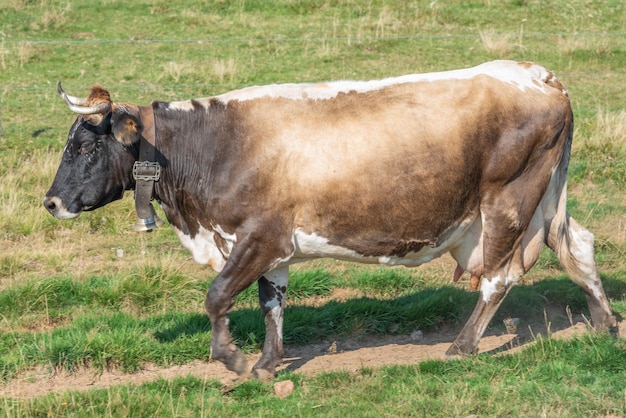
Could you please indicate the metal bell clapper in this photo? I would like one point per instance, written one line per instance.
(149, 223)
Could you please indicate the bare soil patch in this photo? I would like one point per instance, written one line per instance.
(348, 355)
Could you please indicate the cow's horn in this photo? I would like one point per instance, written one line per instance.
(79, 101)
(76, 104)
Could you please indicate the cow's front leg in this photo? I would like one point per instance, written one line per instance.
(272, 289)
(218, 302)
(250, 258)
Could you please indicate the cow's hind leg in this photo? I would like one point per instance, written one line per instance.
(492, 292)
(512, 241)
(272, 289)
(573, 245)
(494, 287)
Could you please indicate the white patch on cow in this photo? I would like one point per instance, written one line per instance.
(489, 286)
(283, 261)
(550, 200)
(204, 249)
(61, 212)
(278, 278)
(522, 76)
(315, 246)
(469, 252)
(230, 239)
(582, 240)
(311, 245)
(423, 256)
(277, 318)
(184, 105)
(581, 247)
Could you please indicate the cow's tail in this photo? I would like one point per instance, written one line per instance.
(557, 220)
(573, 244)
(559, 236)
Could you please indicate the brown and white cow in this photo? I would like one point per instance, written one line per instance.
(396, 171)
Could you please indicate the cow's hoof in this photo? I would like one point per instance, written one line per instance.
(233, 359)
(613, 327)
(265, 368)
(456, 352)
(237, 364)
(263, 374)
(614, 331)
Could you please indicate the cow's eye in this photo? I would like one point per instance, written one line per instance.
(86, 147)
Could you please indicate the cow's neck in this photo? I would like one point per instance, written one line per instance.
(185, 141)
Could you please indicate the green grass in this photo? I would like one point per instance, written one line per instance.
(68, 300)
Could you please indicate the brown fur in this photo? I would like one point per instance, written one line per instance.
(97, 96)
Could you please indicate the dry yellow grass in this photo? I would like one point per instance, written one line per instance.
(224, 70)
(610, 127)
(498, 44)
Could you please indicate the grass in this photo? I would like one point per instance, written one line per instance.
(604, 148)
(91, 293)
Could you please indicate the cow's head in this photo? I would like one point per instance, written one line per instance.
(102, 145)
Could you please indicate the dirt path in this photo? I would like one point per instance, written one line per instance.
(310, 360)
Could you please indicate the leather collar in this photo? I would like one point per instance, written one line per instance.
(146, 169)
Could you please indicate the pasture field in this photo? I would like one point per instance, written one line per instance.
(90, 296)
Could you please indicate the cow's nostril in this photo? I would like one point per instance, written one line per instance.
(49, 204)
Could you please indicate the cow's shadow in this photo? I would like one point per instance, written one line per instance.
(544, 307)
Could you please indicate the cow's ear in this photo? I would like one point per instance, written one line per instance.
(126, 128)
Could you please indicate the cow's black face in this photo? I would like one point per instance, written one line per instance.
(95, 170)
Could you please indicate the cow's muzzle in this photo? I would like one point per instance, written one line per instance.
(56, 207)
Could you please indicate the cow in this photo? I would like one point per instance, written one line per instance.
(397, 171)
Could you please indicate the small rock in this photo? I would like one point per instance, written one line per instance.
(119, 252)
(417, 336)
(511, 325)
(283, 389)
